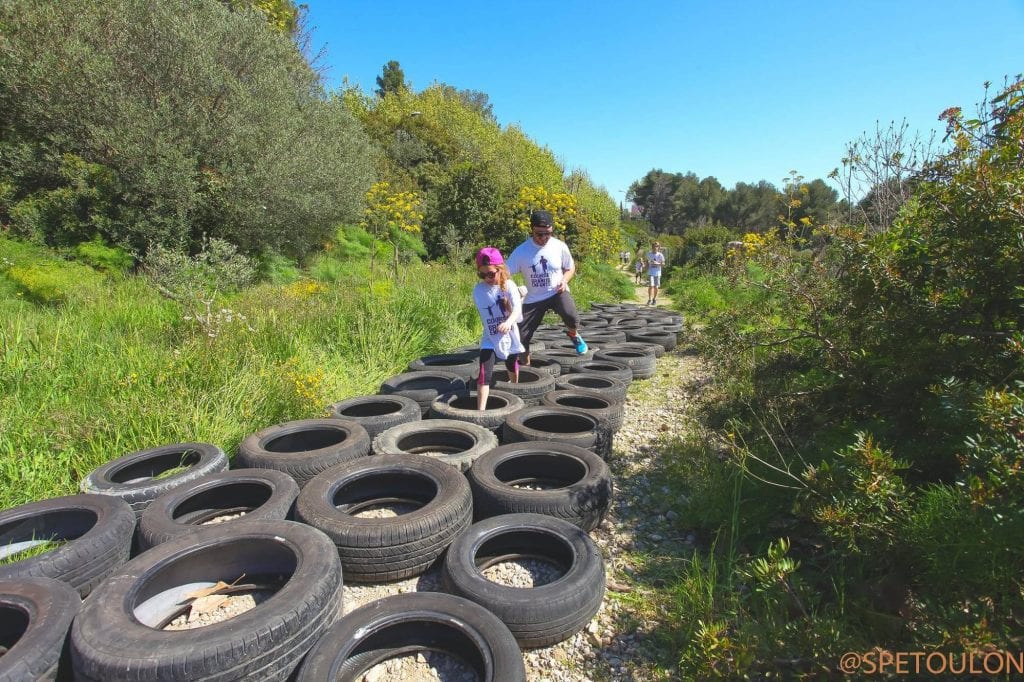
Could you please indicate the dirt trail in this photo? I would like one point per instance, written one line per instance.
(663, 300)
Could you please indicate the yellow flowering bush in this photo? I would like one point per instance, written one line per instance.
(306, 387)
(388, 210)
(755, 243)
(389, 213)
(304, 289)
(563, 207)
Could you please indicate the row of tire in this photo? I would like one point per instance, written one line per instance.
(118, 632)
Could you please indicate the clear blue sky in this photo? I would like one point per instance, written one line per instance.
(743, 91)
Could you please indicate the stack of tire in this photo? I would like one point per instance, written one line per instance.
(155, 530)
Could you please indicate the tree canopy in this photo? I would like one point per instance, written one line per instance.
(166, 123)
(676, 202)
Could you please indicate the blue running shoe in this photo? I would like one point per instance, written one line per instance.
(581, 345)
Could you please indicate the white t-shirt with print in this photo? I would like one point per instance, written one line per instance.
(485, 296)
(654, 262)
(541, 267)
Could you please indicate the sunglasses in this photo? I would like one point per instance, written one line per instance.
(486, 275)
(542, 234)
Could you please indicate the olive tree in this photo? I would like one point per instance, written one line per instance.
(211, 123)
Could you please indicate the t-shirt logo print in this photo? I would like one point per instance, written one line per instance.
(541, 279)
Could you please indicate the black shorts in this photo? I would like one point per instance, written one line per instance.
(486, 375)
(533, 313)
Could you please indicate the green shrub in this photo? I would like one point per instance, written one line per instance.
(351, 241)
(326, 268)
(26, 218)
(859, 498)
(596, 281)
(277, 268)
(180, 119)
(111, 259)
(53, 282)
(703, 248)
(217, 268)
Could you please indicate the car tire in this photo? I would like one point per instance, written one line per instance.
(262, 494)
(304, 448)
(579, 483)
(387, 549)
(531, 387)
(642, 364)
(608, 412)
(461, 406)
(119, 636)
(35, 616)
(423, 387)
(557, 424)
(613, 370)
(377, 413)
(450, 441)
(134, 477)
(415, 621)
(466, 364)
(613, 388)
(97, 533)
(537, 616)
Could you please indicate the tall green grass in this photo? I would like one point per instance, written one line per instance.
(110, 366)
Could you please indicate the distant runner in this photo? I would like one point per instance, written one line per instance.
(655, 259)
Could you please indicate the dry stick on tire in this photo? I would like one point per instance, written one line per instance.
(537, 616)
(95, 532)
(304, 448)
(450, 441)
(407, 623)
(558, 424)
(257, 494)
(35, 615)
(119, 635)
(540, 477)
(386, 549)
(140, 477)
(377, 413)
(462, 406)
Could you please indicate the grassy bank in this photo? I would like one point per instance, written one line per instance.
(95, 365)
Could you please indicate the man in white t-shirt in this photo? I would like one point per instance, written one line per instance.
(655, 259)
(547, 266)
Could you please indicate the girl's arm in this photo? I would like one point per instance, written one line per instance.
(517, 303)
(517, 308)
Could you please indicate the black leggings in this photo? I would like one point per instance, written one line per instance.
(533, 313)
(486, 375)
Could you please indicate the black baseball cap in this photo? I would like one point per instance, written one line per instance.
(541, 219)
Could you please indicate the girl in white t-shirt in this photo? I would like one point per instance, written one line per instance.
(500, 306)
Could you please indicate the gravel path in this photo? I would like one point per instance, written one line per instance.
(614, 646)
